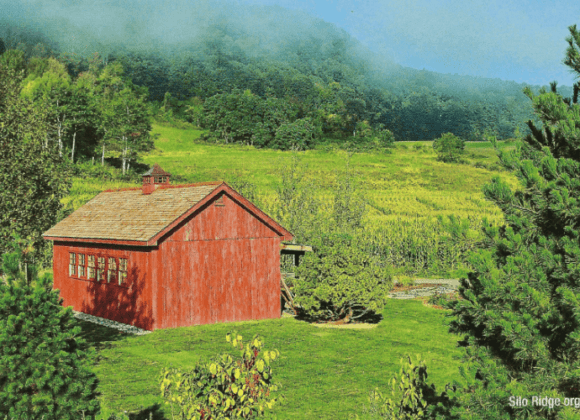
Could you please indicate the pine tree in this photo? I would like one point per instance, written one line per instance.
(521, 310)
(44, 370)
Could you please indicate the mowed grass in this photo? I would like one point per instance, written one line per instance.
(325, 373)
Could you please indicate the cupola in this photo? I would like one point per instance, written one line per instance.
(154, 178)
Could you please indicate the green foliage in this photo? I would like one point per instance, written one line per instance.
(340, 281)
(44, 365)
(519, 313)
(407, 401)
(297, 135)
(33, 176)
(224, 388)
(449, 148)
(411, 397)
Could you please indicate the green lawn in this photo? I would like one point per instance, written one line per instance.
(326, 373)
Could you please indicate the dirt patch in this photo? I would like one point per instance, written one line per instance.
(360, 326)
(404, 288)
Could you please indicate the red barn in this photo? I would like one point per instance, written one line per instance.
(164, 256)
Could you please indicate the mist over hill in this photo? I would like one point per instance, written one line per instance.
(203, 48)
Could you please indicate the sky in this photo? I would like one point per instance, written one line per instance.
(519, 40)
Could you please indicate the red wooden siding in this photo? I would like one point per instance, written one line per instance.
(129, 303)
(222, 264)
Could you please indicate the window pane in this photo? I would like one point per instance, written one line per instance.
(71, 264)
(81, 265)
(122, 270)
(101, 269)
(112, 271)
(91, 267)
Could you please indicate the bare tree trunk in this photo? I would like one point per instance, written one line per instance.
(72, 155)
(124, 154)
(103, 156)
(59, 130)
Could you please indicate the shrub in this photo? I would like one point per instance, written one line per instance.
(407, 401)
(411, 397)
(44, 369)
(225, 387)
(443, 299)
(449, 148)
(340, 281)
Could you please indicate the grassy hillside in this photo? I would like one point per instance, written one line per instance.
(407, 183)
(326, 373)
(406, 189)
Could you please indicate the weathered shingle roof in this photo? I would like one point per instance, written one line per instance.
(130, 215)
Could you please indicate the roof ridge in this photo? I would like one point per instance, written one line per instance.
(163, 187)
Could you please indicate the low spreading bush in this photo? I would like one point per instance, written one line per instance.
(224, 388)
(340, 281)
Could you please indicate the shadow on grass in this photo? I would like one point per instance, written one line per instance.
(369, 318)
(99, 336)
(150, 413)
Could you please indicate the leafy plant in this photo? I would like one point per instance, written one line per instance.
(225, 387)
(406, 402)
(411, 397)
(449, 148)
(443, 299)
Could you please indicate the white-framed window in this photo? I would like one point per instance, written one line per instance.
(72, 264)
(81, 265)
(101, 269)
(122, 270)
(91, 267)
(112, 270)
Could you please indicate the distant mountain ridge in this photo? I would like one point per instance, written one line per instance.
(204, 48)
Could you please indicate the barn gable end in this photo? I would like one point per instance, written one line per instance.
(241, 279)
(222, 218)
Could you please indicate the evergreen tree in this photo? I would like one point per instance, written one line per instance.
(44, 371)
(521, 309)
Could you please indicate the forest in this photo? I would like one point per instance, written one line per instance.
(301, 85)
